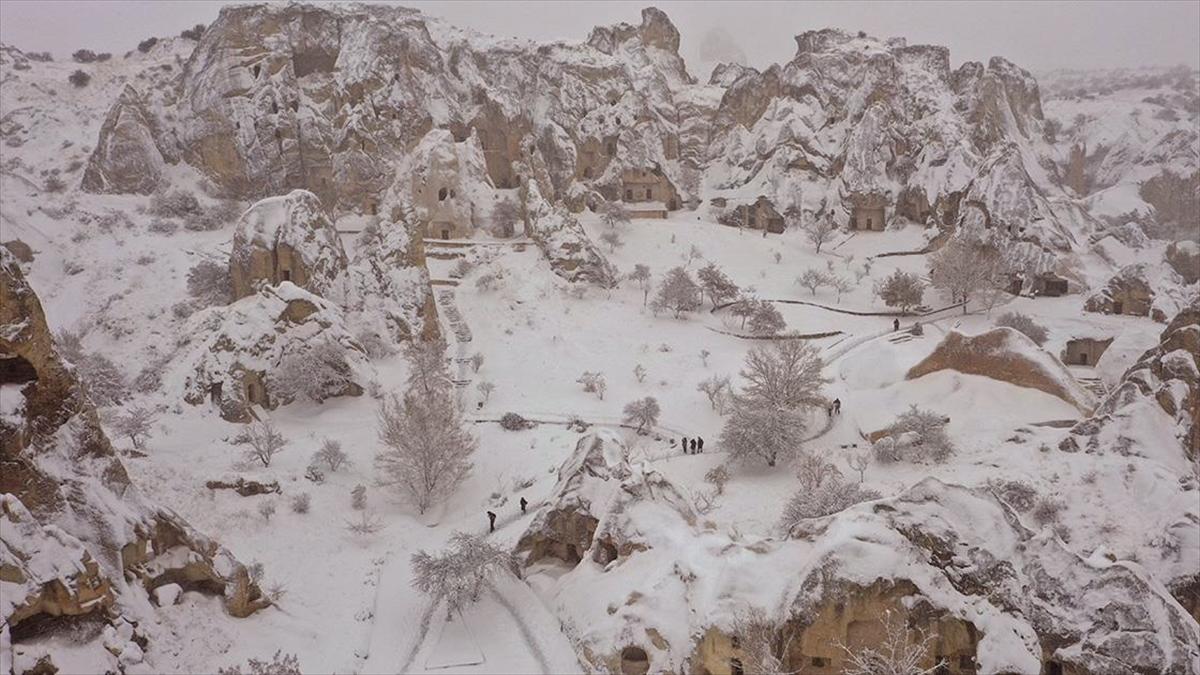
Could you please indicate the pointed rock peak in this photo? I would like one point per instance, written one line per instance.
(658, 31)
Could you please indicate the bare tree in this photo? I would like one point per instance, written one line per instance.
(614, 213)
(427, 451)
(137, 423)
(716, 284)
(693, 254)
(458, 574)
(900, 289)
(613, 239)
(704, 354)
(331, 454)
(678, 293)
(818, 231)
(786, 375)
(593, 383)
(744, 308)
(813, 470)
(266, 510)
(812, 279)
(639, 373)
(485, 389)
(427, 365)
(262, 440)
(916, 436)
(641, 274)
(824, 499)
(964, 267)
(358, 497)
(859, 462)
(897, 654)
(761, 643)
(505, 216)
(317, 373)
(841, 285)
(476, 362)
(766, 319)
(366, 525)
(643, 413)
(714, 388)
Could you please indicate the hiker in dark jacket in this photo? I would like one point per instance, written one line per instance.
(693, 446)
(685, 445)
(837, 406)
(699, 445)
(524, 503)
(896, 324)
(491, 521)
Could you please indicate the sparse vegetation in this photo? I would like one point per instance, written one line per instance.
(79, 78)
(1024, 324)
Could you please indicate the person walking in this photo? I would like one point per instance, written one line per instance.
(491, 521)
(896, 324)
(837, 406)
(700, 445)
(524, 503)
(693, 446)
(685, 445)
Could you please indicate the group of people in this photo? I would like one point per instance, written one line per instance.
(697, 446)
(834, 408)
(492, 515)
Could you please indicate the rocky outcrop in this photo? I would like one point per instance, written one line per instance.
(127, 157)
(1008, 356)
(244, 355)
(566, 245)
(1164, 385)
(75, 531)
(1127, 292)
(1184, 258)
(286, 238)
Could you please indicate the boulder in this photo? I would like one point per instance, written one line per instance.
(20, 250)
(286, 238)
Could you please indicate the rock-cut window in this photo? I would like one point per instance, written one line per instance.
(442, 194)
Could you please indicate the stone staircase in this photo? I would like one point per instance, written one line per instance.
(1094, 385)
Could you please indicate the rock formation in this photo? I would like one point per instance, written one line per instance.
(286, 238)
(1006, 355)
(76, 533)
(236, 356)
(128, 156)
(1184, 258)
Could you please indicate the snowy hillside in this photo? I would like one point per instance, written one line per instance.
(341, 339)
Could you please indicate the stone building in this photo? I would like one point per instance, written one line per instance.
(759, 215)
(868, 211)
(1084, 351)
(448, 216)
(286, 238)
(648, 193)
(1126, 293)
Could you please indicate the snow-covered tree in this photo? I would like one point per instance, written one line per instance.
(614, 213)
(262, 440)
(716, 284)
(744, 308)
(641, 274)
(916, 436)
(101, 379)
(476, 362)
(966, 267)
(612, 239)
(714, 387)
(766, 319)
(427, 448)
(643, 413)
(859, 462)
(691, 255)
(593, 383)
(639, 373)
(757, 432)
(208, 282)
(485, 390)
(331, 454)
(900, 289)
(366, 525)
(812, 279)
(813, 470)
(678, 293)
(317, 373)
(818, 231)
(427, 366)
(136, 422)
(841, 285)
(358, 497)
(786, 375)
(458, 574)
(1025, 324)
(266, 510)
(897, 654)
(280, 664)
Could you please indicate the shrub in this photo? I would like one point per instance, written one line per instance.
(828, 498)
(102, 380)
(84, 56)
(718, 476)
(266, 510)
(146, 45)
(163, 226)
(1019, 495)
(79, 78)
(43, 57)
(358, 497)
(301, 503)
(514, 422)
(1024, 324)
(1047, 510)
(54, 184)
(174, 204)
(916, 436)
(193, 33)
(901, 289)
(208, 282)
(314, 474)
(280, 664)
(103, 56)
(318, 373)
(214, 217)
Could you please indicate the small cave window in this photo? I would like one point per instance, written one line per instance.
(610, 149)
(819, 662)
(274, 108)
(442, 194)
(587, 172)
(254, 70)
(453, 194)
(649, 194)
(285, 275)
(629, 195)
(16, 370)
(1054, 668)
(214, 391)
(295, 106)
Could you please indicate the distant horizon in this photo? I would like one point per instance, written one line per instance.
(1040, 37)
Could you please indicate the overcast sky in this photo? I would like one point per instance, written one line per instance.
(1036, 35)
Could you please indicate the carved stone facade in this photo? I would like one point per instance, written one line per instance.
(868, 212)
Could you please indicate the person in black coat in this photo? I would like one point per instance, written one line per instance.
(693, 446)
(896, 324)
(685, 445)
(699, 445)
(524, 503)
(491, 521)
